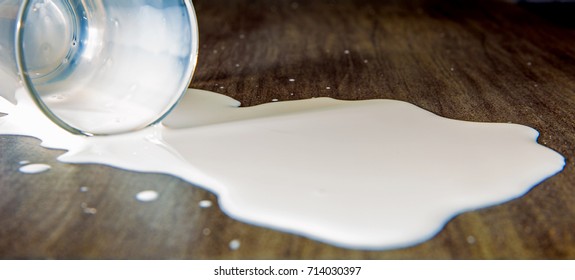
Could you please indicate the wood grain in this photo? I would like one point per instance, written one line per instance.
(481, 61)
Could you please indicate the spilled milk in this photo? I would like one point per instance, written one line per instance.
(34, 168)
(373, 174)
(205, 204)
(234, 244)
(147, 196)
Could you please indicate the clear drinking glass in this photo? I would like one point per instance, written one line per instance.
(99, 67)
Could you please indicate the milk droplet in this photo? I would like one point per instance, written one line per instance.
(147, 196)
(346, 51)
(471, 239)
(205, 204)
(84, 189)
(234, 244)
(275, 100)
(34, 168)
(206, 231)
(291, 80)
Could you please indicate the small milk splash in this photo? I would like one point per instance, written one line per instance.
(147, 196)
(34, 168)
(234, 244)
(400, 171)
(205, 204)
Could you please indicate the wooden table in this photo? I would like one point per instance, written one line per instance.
(470, 60)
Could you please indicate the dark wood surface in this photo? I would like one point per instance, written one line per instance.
(469, 60)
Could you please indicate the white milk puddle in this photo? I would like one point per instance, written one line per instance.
(374, 174)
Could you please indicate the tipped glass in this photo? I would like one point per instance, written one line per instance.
(99, 67)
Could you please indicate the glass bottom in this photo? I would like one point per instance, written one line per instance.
(51, 38)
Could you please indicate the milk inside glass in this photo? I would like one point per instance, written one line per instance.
(97, 66)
